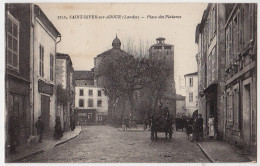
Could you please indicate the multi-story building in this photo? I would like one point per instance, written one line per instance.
(191, 90)
(31, 41)
(241, 77)
(65, 89)
(44, 41)
(180, 106)
(210, 38)
(165, 53)
(90, 101)
(17, 77)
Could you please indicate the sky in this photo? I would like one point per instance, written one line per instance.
(83, 39)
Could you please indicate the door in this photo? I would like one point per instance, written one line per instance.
(247, 116)
(45, 110)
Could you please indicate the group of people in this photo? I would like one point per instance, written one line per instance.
(193, 126)
(197, 128)
(39, 125)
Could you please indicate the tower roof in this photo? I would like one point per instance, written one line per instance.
(116, 43)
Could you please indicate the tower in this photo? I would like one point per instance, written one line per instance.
(165, 53)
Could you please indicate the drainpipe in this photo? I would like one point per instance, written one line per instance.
(56, 105)
(33, 94)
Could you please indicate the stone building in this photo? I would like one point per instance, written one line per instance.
(122, 104)
(241, 77)
(65, 88)
(191, 89)
(226, 59)
(17, 77)
(90, 101)
(31, 41)
(165, 53)
(211, 65)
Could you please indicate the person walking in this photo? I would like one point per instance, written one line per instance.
(57, 129)
(39, 127)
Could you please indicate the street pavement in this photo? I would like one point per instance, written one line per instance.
(105, 144)
(26, 151)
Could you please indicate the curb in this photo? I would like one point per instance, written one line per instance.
(40, 151)
(26, 157)
(60, 143)
(205, 153)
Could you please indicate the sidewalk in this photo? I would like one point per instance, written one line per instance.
(222, 152)
(26, 151)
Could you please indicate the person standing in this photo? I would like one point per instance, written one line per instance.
(39, 127)
(200, 126)
(211, 126)
(195, 134)
(57, 131)
(72, 123)
(126, 121)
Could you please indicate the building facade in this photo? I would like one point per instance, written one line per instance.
(17, 77)
(191, 89)
(165, 53)
(31, 41)
(45, 38)
(241, 77)
(90, 101)
(226, 58)
(120, 107)
(211, 66)
(65, 89)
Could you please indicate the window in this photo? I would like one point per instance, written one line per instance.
(99, 93)
(167, 47)
(99, 103)
(41, 65)
(12, 42)
(157, 47)
(191, 97)
(81, 92)
(51, 67)
(90, 92)
(90, 103)
(81, 103)
(191, 82)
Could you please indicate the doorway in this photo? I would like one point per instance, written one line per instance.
(247, 111)
(45, 111)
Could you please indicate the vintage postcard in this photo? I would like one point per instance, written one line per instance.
(130, 82)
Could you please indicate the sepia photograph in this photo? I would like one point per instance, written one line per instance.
(132, 82)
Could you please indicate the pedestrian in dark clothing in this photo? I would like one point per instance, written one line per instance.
(13, 133)
(126, 122)
(189, 124)
(39, 127)
(195, 134)
(72, 123)
(182, 122)
(200, 126)
(57, 129)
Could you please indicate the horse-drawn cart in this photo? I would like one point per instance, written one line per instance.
(161, 122)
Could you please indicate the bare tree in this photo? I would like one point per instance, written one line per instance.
(122, 76)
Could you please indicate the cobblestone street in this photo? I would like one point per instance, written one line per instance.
(101, 144)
